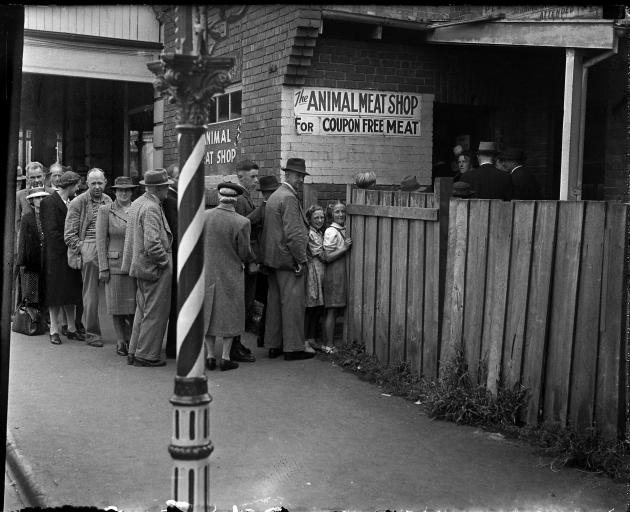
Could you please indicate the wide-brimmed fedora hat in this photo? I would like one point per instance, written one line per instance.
(155, 177)
(295, 165)
(487, 148)
(37, 192)
(462, 189)
(68, 178)
(516, 154)
(227, 188)
(409, 184)
(123, 182)
(266, 183)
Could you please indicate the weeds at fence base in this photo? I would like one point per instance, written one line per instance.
(456, 397)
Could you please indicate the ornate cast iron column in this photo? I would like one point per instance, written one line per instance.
(189, 78)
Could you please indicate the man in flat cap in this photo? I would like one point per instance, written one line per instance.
(147, 257)
(284, 239)
(524, 184)
(247, 173)
(486, 180)
(80, 235)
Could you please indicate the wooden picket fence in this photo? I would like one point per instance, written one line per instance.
(399, 248)
(531, 291)
(534, 297)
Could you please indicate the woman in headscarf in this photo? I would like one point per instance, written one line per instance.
(227, 250)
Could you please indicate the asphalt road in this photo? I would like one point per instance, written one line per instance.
(302, 434)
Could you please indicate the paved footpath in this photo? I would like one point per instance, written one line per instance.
(302, 434)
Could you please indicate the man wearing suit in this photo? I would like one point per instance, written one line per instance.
(80, 235)
(524, 184)
(247, 174)
(486, 180)
(170, 210)
(147, 257)
(284, 239)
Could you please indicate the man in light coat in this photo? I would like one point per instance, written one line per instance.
(80, 235)
(147, 257)
(284, 240)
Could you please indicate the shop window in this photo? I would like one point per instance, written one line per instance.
(225, 107)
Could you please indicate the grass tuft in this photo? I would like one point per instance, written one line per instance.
(457, 397)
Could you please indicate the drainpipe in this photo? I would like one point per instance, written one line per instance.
(580, 164)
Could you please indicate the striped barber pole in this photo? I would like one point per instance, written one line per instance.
(190, 275)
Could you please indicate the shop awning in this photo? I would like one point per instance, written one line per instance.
(593, 34)
(53, 53)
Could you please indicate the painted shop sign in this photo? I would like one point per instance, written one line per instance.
(222, 143)
(320, 111)
(545, 12)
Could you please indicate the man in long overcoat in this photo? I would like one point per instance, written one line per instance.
(486, 180)
(284, 239)
(147, 257)
(227, 252)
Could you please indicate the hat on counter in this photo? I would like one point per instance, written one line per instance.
(37, 192)
(68, 178)
(267, 183)
(516, 154)
(409, 184)
(227, 188)
(296, 165)
(156, 177)
(123, 182)
(487, 148)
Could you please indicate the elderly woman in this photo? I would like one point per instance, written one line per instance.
(227, 250)
(63, 284)
(30, 255)
(120, 288)
(336, 244)
(315, 271)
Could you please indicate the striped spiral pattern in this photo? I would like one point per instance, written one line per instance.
(190, 274)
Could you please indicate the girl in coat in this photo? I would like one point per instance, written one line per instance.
(315, 271)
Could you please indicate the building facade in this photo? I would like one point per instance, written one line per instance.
(392, 89)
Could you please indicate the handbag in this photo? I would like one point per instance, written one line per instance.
(28, 320)
(74, 258)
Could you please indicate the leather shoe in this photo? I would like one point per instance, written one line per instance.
(94, 342)
(121, 349)
(64, 330)
(211, 363)
(298, 355)
(130, 359)
(275, 352)
(226, 365)
(242, 357)
(80, 327)
(138, 361)
(75, 336)
(238, 347)
(55, 339)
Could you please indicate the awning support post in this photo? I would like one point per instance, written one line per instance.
(570, 174)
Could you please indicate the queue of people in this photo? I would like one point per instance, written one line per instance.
(69, 246)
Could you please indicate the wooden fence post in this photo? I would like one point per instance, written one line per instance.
(349, 223)
(443, 190)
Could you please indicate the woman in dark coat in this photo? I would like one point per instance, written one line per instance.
(30, 255)
(63, 284)
(227, 249)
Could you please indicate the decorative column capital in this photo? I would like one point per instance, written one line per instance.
(190, 81)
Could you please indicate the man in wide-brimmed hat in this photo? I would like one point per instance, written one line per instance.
(147, 257)
(524, 184)
(284, 239)
(488, 181)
